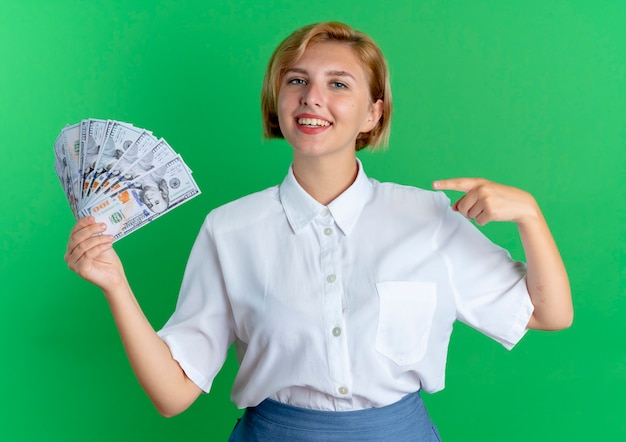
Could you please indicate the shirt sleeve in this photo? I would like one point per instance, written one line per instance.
(200, 330)
(489, 288)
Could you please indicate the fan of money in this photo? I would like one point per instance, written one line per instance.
(120, 174)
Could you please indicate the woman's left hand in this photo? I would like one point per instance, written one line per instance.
(546, 277)
(485, 201)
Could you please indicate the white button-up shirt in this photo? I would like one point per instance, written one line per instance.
(339, 307)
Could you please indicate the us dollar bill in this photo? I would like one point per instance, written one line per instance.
(95, 136)
(143, 199)
(71, 143)
(147, 160)
(63, 170)
(109, 174)
(122, 175)
(118, 138)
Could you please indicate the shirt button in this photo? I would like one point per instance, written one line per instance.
(325, 211)
(336, 331)
(331, 278)
(328, 231)
(343, 390)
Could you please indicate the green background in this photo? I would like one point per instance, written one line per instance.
(529, 93)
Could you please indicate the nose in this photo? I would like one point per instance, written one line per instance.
(312, 95)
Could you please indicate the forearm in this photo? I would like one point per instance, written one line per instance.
(90, 254)
(160, 376)
(546, 279)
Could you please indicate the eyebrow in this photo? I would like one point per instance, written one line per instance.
(331, 73)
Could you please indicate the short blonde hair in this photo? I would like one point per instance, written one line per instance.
(368, 53)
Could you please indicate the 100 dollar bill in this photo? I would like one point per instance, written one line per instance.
(136, 203)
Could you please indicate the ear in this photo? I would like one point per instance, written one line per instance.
(375, 112)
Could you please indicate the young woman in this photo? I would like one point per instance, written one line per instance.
(339, 292)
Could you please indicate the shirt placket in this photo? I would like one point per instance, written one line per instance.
(334, 320)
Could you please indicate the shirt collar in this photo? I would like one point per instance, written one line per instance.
(301, 208)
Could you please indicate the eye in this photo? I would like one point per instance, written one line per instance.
(339, 85)
(296, 81)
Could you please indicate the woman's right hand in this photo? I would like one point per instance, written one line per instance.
(90, 254)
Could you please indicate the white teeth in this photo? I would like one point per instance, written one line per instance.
(312, 122)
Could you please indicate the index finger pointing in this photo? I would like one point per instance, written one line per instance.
(458, 184)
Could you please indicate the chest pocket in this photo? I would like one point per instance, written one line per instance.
(405, 318)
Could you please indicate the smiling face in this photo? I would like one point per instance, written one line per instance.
(324, 101)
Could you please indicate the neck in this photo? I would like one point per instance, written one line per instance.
(324, 179)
